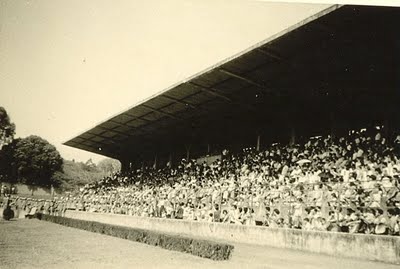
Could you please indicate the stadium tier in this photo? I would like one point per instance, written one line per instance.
(346, 184)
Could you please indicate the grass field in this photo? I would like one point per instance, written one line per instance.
(38, 244)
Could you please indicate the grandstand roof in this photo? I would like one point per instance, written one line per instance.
(311, 58)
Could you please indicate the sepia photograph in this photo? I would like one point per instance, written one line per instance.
(199, 134)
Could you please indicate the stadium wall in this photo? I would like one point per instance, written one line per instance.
(367, 247)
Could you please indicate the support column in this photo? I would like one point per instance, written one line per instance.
(124, 165)
(292, 140)
(293, 117)
(208, 148)
(155, 162)
(169, 164)
(188, 152)
(258, 142)
(386, 127)
(332, 119)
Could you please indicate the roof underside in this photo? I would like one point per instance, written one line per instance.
(338, 53)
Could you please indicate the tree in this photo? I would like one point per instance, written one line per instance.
(36, 161)
(8, 171)
(109, 166)
(7, 128)
(77, 174)
(89, 165)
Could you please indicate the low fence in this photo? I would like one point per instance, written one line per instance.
(367, 247)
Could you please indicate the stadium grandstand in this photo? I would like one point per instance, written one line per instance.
(300, 131)
(331, 73)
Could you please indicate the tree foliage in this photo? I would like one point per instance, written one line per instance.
(36, 161)
(7, 128)
(109, 166)
(77, 174)
(8, 171)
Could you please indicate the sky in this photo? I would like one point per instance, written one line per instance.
(65, 66)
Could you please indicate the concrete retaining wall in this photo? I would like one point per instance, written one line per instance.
(367, 247)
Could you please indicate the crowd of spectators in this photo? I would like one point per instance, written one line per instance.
(4, 190)
(346, 184)
(26, 206)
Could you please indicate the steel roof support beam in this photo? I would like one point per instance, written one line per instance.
(133, 118)
(107, 150)
(136, 118)
(241, 77)
(93, 141)
(211, 91)
(163, 113)
(114, 131)
(140, 128)
(214, 92)
(98, 142)
(100, 135)
(184, 103)
(124, 125)
(105, 137)
(270, 54)
(179, 101)
(136, 130)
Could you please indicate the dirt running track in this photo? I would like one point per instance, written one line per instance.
(39, 244)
